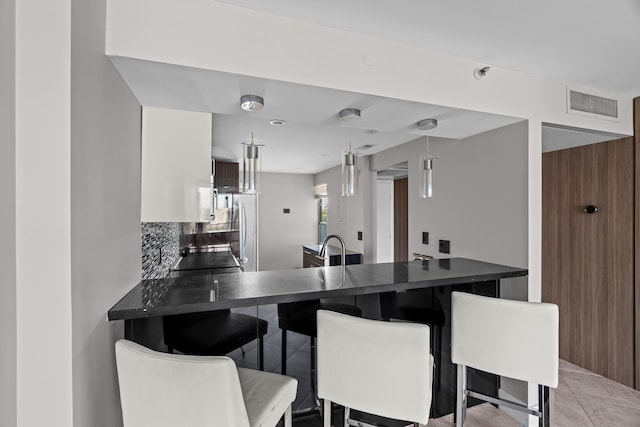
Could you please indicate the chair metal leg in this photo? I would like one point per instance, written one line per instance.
(313, 364)
(438, 358)
(283, 353)
(288, 422)
(326, 413)
(543, 406)
(261, 352)
(461, 396)
(347, 411)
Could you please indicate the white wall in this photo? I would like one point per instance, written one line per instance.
(43, 216)
(105, 209)
(480, 195)
(7, 215)
(282, 235)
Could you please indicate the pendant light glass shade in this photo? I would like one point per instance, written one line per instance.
(349, 173)
(251, 167)
(426, 176)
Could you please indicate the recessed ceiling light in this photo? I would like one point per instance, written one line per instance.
(277, 122)
(323, 155)
(365, 147)
(251, 102)
(370, 131)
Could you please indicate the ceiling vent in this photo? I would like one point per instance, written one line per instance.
(592, 105)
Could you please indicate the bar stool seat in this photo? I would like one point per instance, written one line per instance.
(167, 390)
(266, 396)
(213, 333)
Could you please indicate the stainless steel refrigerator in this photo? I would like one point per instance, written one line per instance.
(249, 258)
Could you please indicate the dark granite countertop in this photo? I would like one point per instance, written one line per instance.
(206, 292)
(332, 250)
(206, 260)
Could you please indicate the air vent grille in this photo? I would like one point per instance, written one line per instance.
(592, 104)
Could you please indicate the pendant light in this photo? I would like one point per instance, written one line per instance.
(251, 166)
(349, 173)
(251, 160)
(426, 162)
(349, 158)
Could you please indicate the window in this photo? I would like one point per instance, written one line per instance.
(322, 219)
(320, 192)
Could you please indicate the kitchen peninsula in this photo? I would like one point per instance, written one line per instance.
(367, 286)
(206, 292)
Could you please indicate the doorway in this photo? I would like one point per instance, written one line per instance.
(393, 213)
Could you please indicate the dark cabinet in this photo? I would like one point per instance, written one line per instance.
(227, 177)
(311, 259)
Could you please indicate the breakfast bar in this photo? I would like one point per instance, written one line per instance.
(414, 291)
(206, 292)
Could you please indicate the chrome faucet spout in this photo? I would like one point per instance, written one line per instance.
(343, 248)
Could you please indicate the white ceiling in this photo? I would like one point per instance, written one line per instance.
(559, 137)
(589, 42)
(313, 137)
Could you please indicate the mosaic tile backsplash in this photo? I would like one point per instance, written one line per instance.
(160, 248)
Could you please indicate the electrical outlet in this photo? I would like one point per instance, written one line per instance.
(444, 246)
(359, 235)
(425, 238)
(286, 210)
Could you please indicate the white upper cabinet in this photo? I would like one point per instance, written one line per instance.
(176, 165)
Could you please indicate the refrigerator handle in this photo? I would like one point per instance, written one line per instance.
(244, 236)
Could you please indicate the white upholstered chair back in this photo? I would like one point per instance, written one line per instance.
(158, 389)
(382, 368)
(516, 339)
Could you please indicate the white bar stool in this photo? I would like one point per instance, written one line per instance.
(382, 368)
(515, 339)
(168, 390)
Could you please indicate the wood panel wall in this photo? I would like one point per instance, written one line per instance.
(636, 132)
(588, 259)
(401, 219)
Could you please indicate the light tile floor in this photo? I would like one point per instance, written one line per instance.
(582, 399)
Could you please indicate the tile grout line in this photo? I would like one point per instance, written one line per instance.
(575, 397)
(583, 410)
(595, 397)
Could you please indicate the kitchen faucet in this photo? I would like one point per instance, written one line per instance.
(343, 248)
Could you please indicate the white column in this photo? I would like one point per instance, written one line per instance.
(43, 213)
(535, 230)
(535, 210)
(7, 215)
